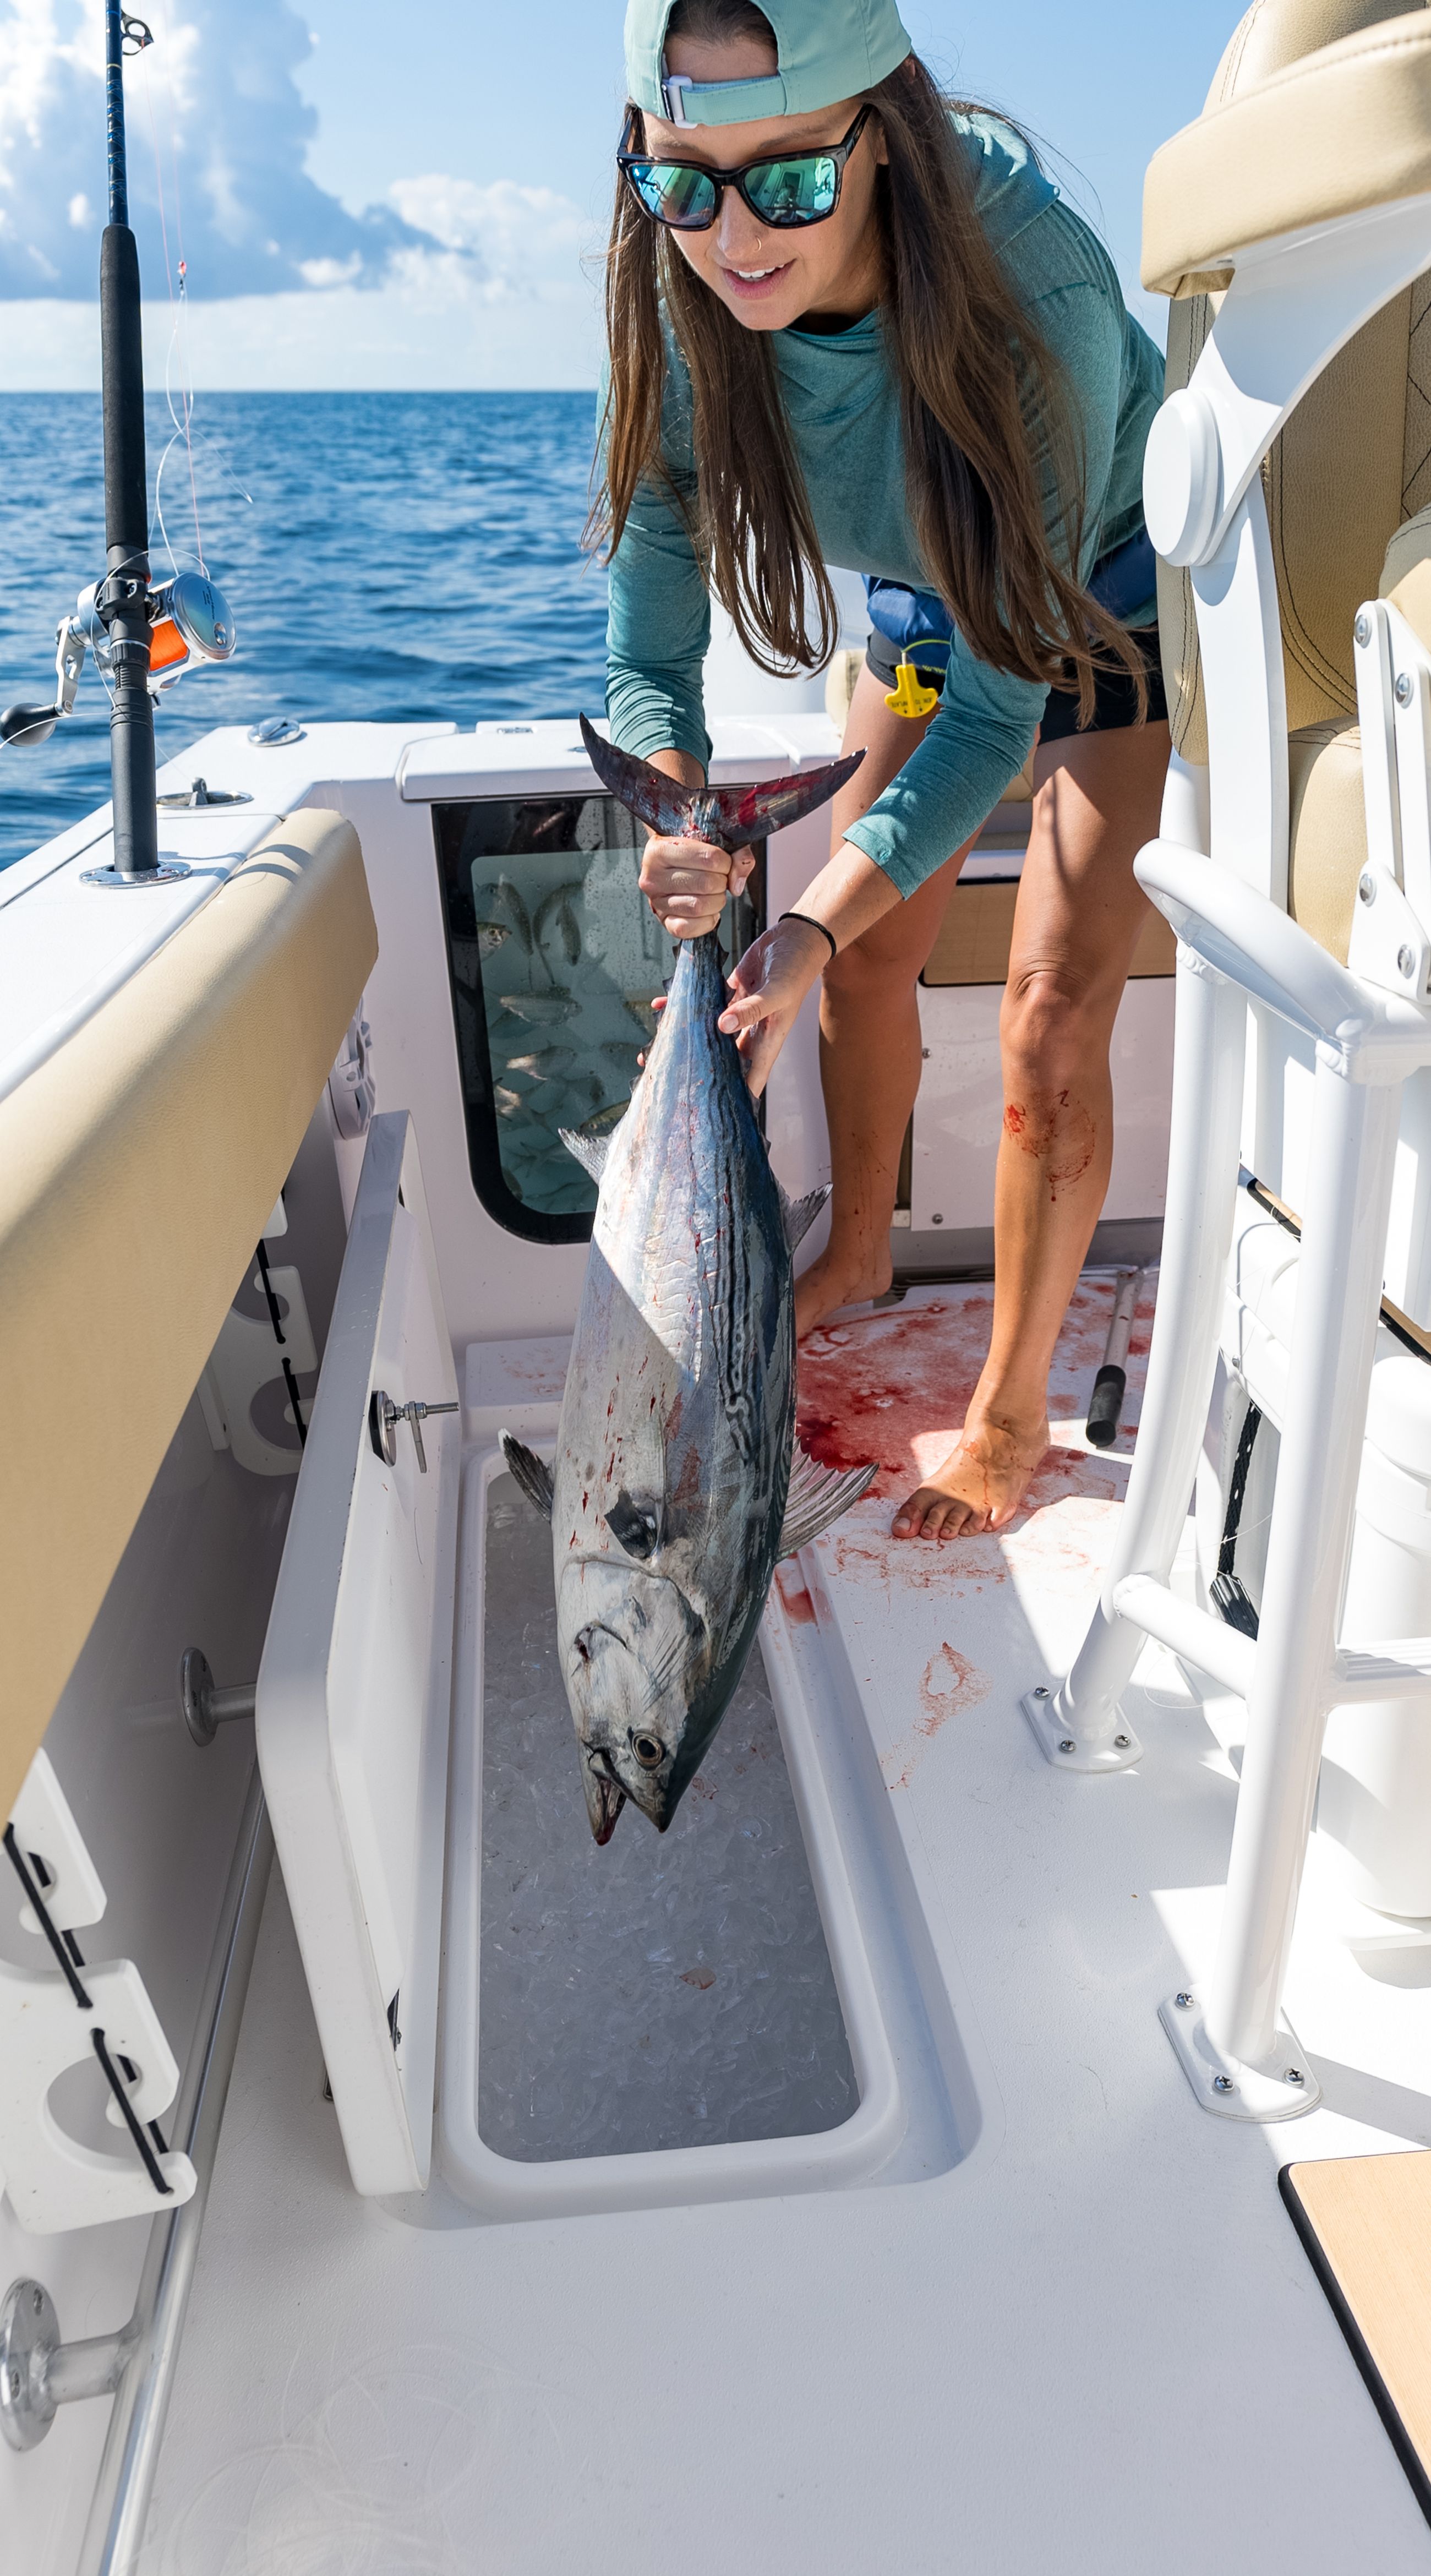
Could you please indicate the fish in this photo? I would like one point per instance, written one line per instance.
(510, 895)
(677, 1483)
(558, 903)
(542, 1063)
(490, 937)
(541, 1010)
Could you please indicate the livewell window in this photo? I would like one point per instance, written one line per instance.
(555, 958)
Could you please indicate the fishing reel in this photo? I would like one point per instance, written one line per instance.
(189, 622)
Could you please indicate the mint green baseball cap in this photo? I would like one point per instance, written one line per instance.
(826, 50)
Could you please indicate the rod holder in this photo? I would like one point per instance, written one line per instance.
(203, 1707)
(39, 2373)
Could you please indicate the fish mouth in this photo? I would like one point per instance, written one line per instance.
(605, 1796)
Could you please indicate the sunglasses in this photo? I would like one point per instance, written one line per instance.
(792, 189)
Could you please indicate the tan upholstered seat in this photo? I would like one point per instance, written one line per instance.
(1352, 469)
(1318, 110)
(138, 1163)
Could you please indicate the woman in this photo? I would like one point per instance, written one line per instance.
(877, 337)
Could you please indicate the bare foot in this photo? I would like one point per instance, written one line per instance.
(838, 1280)
(979, 1487)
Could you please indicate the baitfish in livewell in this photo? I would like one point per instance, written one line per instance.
(677, 1485)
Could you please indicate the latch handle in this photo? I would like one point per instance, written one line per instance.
(384, 1417)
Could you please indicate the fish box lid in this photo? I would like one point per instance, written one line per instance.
(354, 1691)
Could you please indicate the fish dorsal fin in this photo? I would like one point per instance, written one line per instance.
(817, 1498)
(800, 1214)
(590, 1151)
(530, 1472)
(661, 802)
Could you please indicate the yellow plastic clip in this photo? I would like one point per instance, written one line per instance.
(909, 697)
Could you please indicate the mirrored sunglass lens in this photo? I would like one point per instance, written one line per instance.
(799, 191)
(673, 194)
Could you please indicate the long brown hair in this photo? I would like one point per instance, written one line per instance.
(979, 392)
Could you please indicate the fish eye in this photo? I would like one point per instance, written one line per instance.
(650, 1752)
(635, 1523)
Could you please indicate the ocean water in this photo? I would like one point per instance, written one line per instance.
(400, 556)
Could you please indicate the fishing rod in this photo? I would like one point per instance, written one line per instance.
(141, 635)
(120, 606)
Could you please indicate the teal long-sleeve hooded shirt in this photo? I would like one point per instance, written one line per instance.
(843, 407)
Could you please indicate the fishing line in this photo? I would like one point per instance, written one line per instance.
(178, 313)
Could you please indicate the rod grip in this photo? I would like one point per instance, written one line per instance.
(1106, 1407)
(126, 492)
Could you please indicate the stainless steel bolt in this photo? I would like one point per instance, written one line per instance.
(1223, 2084)
(1406, 962)
(1040, 1690)
(1405, 689)
(1366, 886)
(1294, 2075)
(1068, 1745)
(938, 1220)
(1183, 2001)
(1122, 1742)
(1362, 628)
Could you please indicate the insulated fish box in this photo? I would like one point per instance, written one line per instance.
(375, 1659)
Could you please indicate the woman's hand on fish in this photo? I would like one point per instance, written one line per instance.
(687, 883)
(767, 989)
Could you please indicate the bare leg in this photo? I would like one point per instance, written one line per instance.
(1096, 803)
(869, 1036)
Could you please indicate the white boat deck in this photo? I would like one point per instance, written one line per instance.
(1091, 2340)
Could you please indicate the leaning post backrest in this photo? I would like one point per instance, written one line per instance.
(1354, 460)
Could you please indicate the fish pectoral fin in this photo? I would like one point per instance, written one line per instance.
(528, 1471)
(818, 1497)
(590, 1151)
(800, 1214)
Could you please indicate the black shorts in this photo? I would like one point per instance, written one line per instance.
(1115, 700)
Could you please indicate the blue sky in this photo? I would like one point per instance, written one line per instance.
(380, 196)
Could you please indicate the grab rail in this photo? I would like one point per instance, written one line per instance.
(114, 2532)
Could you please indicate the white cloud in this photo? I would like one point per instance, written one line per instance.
(517, 235)
(447, 281)
(503, 301)
(215, 102)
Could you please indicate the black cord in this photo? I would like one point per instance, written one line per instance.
(115, 2082)
(291, 1383)
(273, 1314)
(67, 1951)
(42, 1914)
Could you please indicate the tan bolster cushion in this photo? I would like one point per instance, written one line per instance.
(136, 1169)
(1328, 835)
(1346, 128)
(1406, 574)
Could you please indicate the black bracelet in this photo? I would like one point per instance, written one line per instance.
(812, 924)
